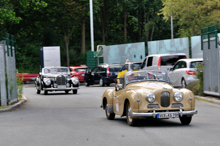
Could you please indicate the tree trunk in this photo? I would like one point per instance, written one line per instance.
(125, 23)
(151, 38)
(147, 27)
(103, 34)
(83, 49)
(66, 38)
(139, 24)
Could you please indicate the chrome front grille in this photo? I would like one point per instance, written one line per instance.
(165, 99)
(61, 80)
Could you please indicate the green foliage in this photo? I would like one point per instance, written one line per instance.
(192, 15)
(20, 86)
(194, 87)
(199, 75)
(197, 86)
(59, 23)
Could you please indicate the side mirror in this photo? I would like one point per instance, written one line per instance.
(171, 69)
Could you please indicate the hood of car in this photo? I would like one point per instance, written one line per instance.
(149, 85)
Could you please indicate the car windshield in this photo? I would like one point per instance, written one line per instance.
(171, 60)
(114, 68)
(56, 70)
(194, 64)
(80, 69)
(137, 76)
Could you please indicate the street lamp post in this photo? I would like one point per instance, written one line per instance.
(171, 27)
(91, 25)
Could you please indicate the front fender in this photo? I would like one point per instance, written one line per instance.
(107, 98)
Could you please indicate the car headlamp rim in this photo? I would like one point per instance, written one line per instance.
(151, 97)
(47, 81)
(75, 80)
(178, 96)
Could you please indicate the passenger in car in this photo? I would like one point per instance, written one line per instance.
(151, 75)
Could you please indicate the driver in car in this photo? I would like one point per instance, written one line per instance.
(151, 75)
(130, 76)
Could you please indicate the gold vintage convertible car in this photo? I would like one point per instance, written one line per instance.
(143, 94)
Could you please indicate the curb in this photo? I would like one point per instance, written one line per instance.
(209, 99)
(14, 106)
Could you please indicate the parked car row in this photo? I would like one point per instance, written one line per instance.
(181, 72)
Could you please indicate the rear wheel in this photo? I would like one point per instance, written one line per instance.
(130, 120)
(74, 91)
(109, 116)
(183, 83)
(86, 84)
(66, 91)
(101, 83)
(185, 120)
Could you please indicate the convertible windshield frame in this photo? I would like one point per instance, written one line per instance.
(140, 76)
(55, 70)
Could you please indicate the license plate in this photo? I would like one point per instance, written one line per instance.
(82, 74)
(167, 115)
(62, 86)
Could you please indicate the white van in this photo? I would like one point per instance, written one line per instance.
(162, 62)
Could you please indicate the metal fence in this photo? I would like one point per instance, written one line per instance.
(211, 59)
(8, 87)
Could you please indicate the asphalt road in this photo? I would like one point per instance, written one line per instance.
(60, 119)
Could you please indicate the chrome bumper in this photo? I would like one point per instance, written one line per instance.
(60, 89)
(154, 114)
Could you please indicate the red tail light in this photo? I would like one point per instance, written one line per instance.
(107, 70)
(190, 72)
(186, 57)
(159, 63)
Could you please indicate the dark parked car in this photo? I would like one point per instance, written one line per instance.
(102, 74)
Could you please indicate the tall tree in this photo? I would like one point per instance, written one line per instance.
(65, 15)
(104, 13)
(192, 15)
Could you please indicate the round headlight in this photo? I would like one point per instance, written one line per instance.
(151, 97)
(75, 80)
(178, 96)
(47, 81)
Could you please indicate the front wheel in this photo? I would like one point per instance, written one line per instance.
(38, 91)
(109, 116)
(185, 120)
(74, 91)
(130, 120)
(45, 92)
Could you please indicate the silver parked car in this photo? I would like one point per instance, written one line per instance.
(161, 62)
(56, 79)
(183, 72)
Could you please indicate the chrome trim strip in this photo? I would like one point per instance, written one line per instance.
(59, 89)
(154, 113)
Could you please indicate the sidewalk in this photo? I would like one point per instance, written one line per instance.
(14, 106)
(210, 99)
